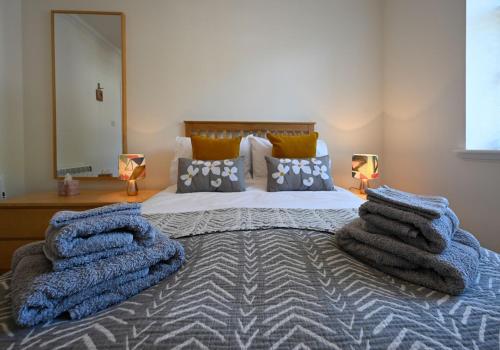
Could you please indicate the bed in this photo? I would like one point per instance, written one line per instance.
(263, 272)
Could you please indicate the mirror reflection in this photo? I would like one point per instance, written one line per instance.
(88, 92)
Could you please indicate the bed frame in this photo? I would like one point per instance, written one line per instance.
(232, 129)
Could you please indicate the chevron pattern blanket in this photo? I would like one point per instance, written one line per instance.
(178, 225)
(276, 288)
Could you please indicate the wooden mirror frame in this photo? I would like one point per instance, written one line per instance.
(124, 87)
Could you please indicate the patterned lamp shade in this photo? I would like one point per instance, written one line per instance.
(365, 166)
(132, 166)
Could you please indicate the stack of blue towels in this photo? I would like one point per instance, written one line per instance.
(89, 260)
(416, 238)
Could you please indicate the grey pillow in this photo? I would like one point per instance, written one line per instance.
(227, 175)
(308, 174)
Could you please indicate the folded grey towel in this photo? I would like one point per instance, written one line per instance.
(449, 272)
(39, 294)
(61, 263)
(66, 217)
(433, 235)
(94, 238)
(430, 207)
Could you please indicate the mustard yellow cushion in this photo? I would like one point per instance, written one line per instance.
(206, 148)
(296, 146)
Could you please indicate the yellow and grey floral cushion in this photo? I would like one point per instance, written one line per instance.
(226, 175)
(301, 174)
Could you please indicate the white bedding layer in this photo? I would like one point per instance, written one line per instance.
(256, 196)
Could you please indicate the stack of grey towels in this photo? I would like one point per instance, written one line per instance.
(89, 260)
(416, 238)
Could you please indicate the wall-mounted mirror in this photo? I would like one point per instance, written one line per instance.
(89, 102)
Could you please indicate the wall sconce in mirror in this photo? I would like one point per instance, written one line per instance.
(98, 93)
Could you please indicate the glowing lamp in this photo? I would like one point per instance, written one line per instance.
(364, 168)
(132, 167)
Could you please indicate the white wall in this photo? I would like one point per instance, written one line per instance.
(11, 98)
(290, 60)
(424, 100)
(89, 132)
(262, 60)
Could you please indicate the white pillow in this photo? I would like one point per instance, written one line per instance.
(184, 149)
(246, 151)
(321, 148)
(262, 147)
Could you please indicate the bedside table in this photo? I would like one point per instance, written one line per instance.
(25, 218)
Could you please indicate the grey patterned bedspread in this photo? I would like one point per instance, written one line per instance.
(275, 288)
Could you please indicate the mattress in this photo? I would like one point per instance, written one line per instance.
(273, 278)
(256, 196)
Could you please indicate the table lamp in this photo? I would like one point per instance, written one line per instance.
(364, 168)
(132, 167)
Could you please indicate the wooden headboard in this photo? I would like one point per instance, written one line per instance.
(229, 129)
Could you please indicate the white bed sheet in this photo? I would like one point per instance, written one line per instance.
(256, 196)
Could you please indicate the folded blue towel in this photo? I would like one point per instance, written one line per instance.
(432, 235)
(93, 238)
(59, 263)
(431, 207)
(39, 294)
(67, 217)
(449, 272)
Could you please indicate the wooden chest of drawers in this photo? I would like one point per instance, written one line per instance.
(24, 219)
